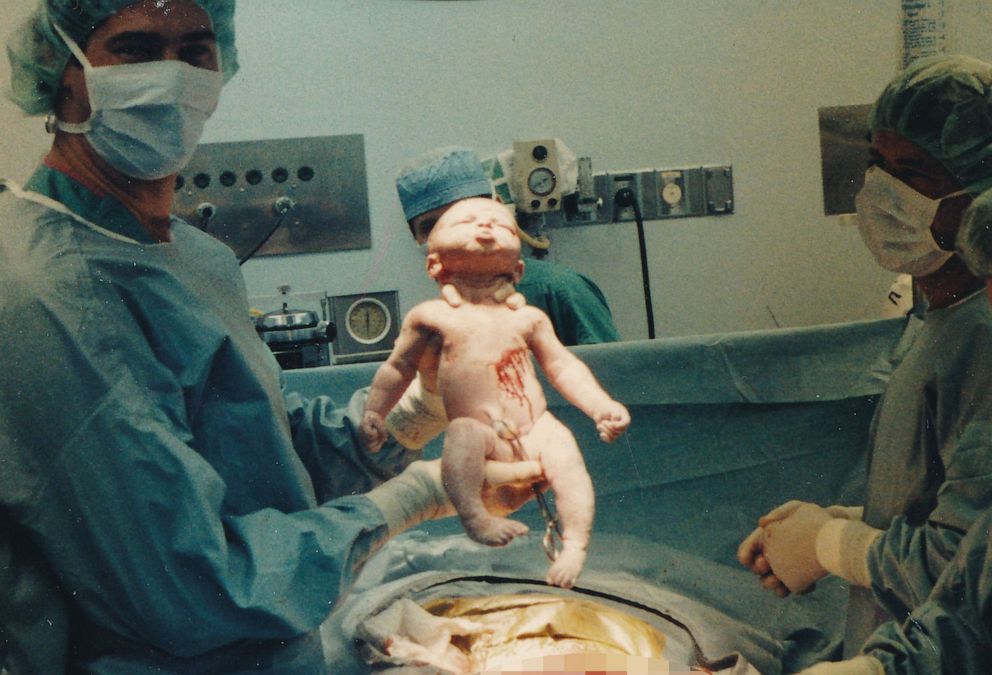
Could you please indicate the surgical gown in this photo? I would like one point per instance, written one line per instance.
(930, 462)
(148, 456)
(952, 631)
(576, 306)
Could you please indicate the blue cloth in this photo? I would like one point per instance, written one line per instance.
(147, 454)
(724, 428)
(573, 302)
(951, 632)
(930, 473)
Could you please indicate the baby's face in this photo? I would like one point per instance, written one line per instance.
(476, 228)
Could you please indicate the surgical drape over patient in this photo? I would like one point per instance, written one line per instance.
(943, 105)
(38, 55)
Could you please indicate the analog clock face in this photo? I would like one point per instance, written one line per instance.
(541, 181)
(367, 320)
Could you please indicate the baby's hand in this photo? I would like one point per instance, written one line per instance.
(372, 432)
(611, 421)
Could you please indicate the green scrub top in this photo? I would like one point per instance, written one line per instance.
(930, 462)
(574, 303)
(190, 516)
(951, 632)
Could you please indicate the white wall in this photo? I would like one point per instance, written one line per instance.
(632, 84)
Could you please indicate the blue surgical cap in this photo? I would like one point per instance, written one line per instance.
(439, 177)
(38, 55)
(944, 105)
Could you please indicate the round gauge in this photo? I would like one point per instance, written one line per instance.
(671, 193)
(541, 181)
(367, 320)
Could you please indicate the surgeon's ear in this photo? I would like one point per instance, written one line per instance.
(434, 266)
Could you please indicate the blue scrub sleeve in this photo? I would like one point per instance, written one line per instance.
(144, 542)
(326, 439)
(576, 306)
(140, 528)
(581, 314)
(952, 631)
(905, 561)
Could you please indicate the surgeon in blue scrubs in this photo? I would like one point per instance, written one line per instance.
(949, 632)
(930, 454)
(164, 505)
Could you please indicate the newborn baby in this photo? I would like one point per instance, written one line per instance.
(479, 337)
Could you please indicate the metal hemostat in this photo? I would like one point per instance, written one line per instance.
(506, 430)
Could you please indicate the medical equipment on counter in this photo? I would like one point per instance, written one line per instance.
(369, 324)
(297, 337)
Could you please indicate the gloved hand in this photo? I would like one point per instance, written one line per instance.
(418, 493)
(859, 665)
(789, 545)
(751, 552)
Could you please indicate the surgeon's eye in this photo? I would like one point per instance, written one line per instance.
(137, 53)
(201, 55)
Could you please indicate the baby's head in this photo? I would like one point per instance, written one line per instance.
(475, 238)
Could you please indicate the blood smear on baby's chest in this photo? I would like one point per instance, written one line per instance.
(511, 370)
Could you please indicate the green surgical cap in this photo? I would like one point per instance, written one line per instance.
(943, 105)
(974, 242)
(38, 55)
(438, 177)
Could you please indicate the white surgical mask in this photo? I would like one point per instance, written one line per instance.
(146, 118)
(894, 221)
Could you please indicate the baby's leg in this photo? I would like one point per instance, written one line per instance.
(467, 444)
(574, 497)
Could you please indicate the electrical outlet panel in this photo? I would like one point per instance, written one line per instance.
(719, 189)
(661, 194)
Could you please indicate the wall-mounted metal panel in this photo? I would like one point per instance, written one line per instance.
(232, 189)
(661, 194)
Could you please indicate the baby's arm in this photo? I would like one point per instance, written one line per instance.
(575, 381)
(393, 378)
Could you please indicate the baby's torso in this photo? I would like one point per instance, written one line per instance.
(484, 364)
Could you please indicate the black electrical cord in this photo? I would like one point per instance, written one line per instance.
(282, 206)
(262, 242)
(624, 198)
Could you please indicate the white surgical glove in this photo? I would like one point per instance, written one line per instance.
(842, 548)
(859, 665)
(418, 417)
(789, 545)
(418, 494)
(801, 554)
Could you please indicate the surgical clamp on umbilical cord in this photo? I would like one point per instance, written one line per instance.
(506, 430)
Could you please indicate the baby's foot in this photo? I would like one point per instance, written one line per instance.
(566, 568)
(494, 531)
